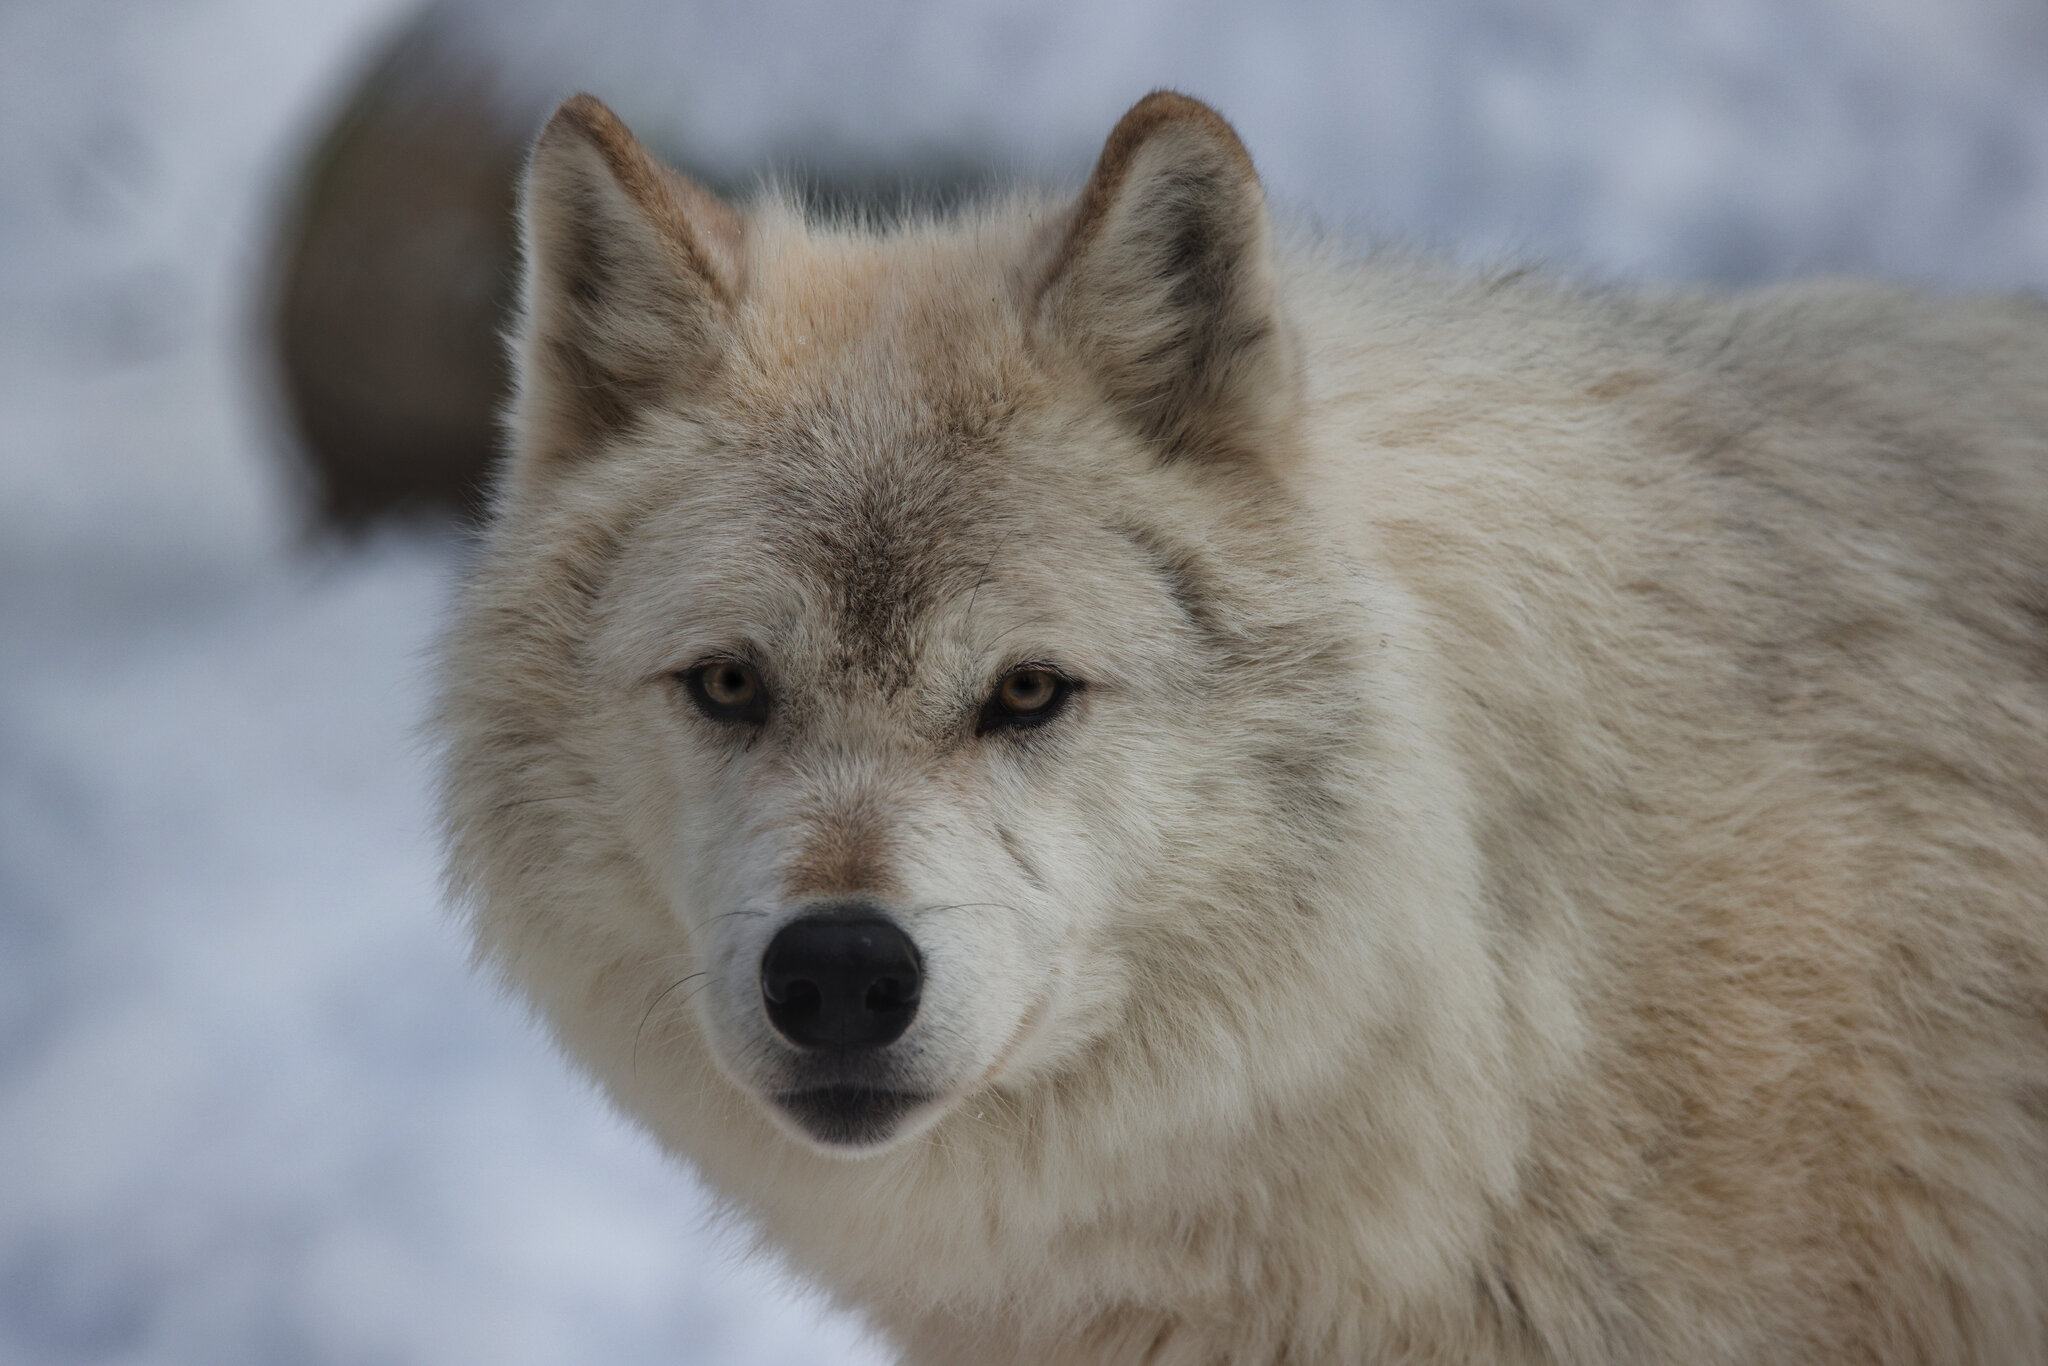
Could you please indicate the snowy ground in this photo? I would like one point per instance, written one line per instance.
(253, 1108)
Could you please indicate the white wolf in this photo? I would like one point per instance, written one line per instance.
(1130, 788)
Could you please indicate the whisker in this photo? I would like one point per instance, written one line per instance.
(981, 578)
(635, 1064)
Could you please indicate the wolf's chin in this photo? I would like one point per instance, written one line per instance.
(852, 1121)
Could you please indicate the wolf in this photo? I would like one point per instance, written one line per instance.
(1131, 784)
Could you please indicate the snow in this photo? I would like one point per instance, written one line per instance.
(253, 1105)
(1723, 139)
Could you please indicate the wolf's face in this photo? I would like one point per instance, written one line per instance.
(906, 758)
(892, 629)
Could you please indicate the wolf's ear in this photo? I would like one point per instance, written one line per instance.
(631, 271)
(1163, 284)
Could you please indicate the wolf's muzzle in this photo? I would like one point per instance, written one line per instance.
(830, 982)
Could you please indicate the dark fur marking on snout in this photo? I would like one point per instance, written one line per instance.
(848, 852)
(1022, 859)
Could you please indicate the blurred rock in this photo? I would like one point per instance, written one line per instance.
(398, 263)
(397, 270)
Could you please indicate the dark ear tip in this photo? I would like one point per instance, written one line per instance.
(1164, 110)
(585, 118)
(582, 113)
(1162, 105)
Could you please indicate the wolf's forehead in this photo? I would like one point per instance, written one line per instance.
(888, 525)
(878, 403)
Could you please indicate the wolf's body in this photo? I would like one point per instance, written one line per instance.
(1544, 857)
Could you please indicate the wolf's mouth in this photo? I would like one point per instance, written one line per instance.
(849, 1116)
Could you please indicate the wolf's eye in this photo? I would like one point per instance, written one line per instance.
(728, 690)
(1024, 697)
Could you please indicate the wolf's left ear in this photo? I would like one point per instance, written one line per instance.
(1163, 284)
(631, 272)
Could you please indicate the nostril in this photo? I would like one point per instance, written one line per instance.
(797, 996)
(828, 982)
(890, 994)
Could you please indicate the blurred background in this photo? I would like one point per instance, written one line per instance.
(253, 254)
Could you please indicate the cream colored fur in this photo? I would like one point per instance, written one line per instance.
(1550, 862)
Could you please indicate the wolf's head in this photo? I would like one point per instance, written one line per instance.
(898, 672)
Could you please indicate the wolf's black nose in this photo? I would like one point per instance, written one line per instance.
(834, 983)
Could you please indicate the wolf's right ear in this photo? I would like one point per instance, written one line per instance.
(631, 271)
(1163, 285)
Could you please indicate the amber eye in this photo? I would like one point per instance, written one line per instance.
(1024, 697)
(1028, 690)
(728, 690)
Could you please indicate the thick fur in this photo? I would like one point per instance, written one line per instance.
(1549, 860)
